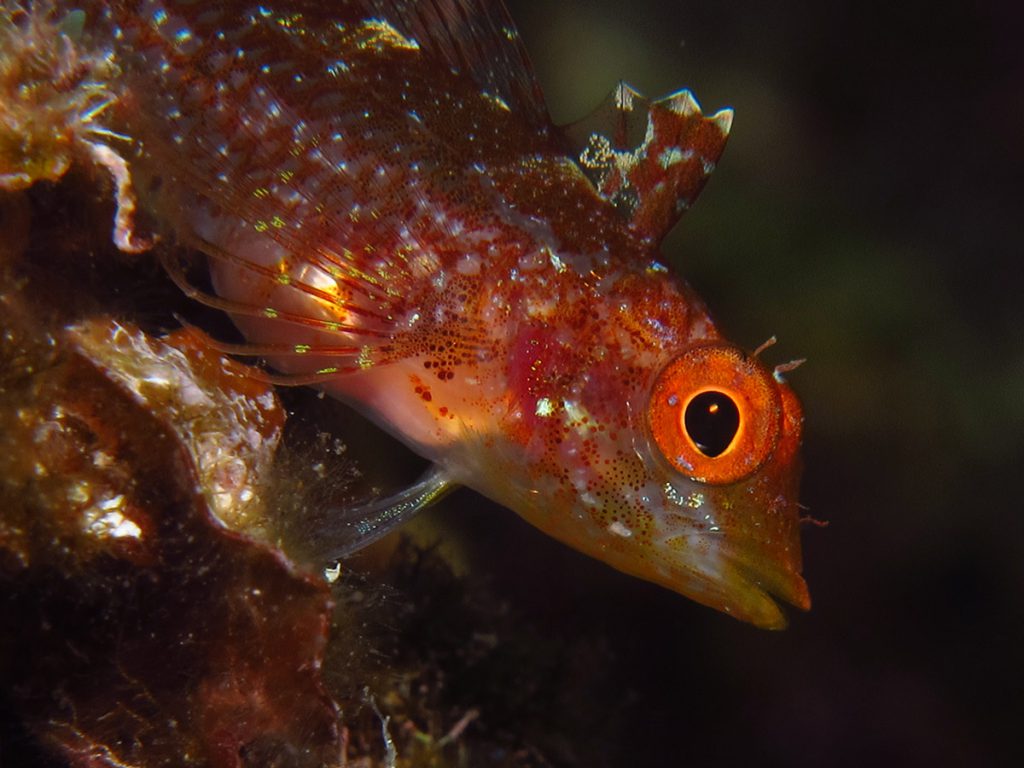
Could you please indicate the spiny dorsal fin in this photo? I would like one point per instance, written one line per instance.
(649, 159)
(476, 37)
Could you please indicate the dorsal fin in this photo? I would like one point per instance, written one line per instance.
(477, 37)
(649, 159)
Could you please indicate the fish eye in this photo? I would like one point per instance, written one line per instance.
(711, 420)
(715, 414)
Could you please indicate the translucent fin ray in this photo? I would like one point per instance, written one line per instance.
(177, 275)
(477, 37)
(348, 530)
(304, 379)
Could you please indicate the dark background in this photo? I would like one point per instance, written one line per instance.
(867, 211)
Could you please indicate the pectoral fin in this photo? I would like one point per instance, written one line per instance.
(348, 530)
(649, 159)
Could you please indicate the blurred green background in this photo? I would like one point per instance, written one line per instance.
(868, 212)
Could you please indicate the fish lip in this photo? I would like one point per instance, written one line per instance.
(744, 582)
(757, 589)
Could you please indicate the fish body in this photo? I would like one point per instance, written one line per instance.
(389, 212)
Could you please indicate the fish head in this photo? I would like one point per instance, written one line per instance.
(700, 494)
(722, 433)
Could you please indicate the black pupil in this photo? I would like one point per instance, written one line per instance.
(711, 421)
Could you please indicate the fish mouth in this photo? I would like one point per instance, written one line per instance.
(749, 586)
(746, 579)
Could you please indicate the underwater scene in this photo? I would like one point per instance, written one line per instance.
(440, 383)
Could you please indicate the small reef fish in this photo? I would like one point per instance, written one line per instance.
(389, 213)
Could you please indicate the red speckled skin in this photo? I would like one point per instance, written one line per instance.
(403, 216)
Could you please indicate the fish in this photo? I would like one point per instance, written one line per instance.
(389, 213)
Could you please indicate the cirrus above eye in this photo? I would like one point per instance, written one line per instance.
(711, 420)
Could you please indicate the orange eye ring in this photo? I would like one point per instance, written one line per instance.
(715, 414)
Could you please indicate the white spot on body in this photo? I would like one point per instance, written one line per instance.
(468, 265)
(541, 308)
(620, 530)
(556, 262)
